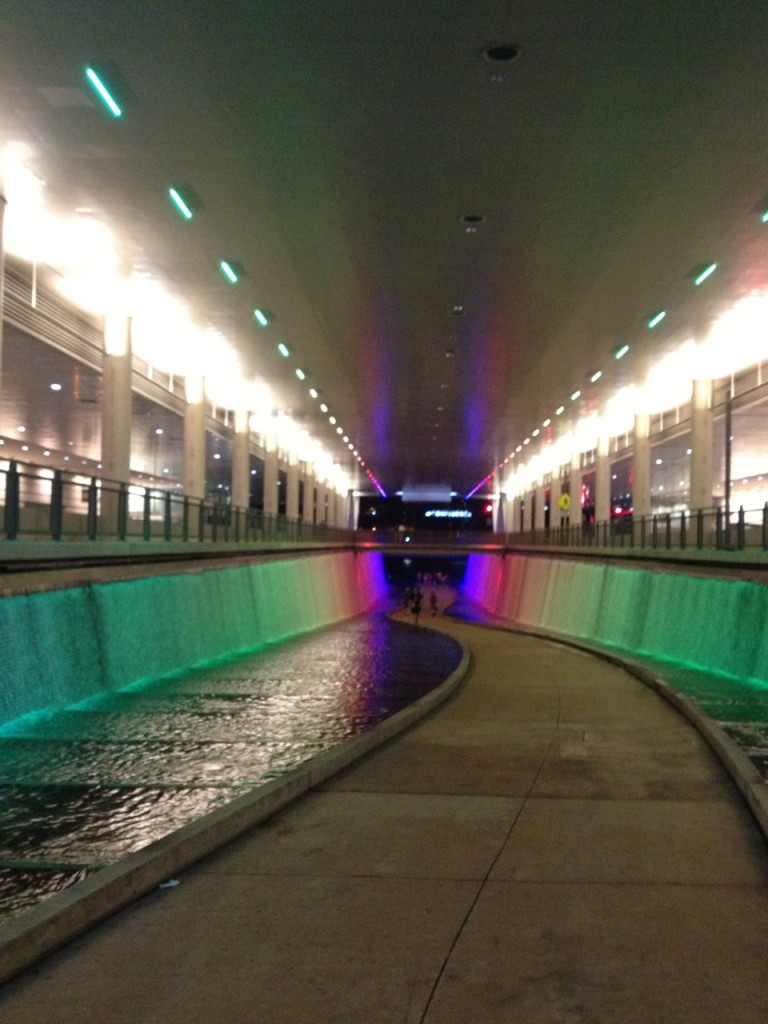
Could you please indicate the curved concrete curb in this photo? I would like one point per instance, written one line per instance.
(743, 773)
(60, 918)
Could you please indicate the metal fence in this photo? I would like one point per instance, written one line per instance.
(704, 530)
(43, 504)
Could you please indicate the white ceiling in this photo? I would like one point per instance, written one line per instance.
(336, 145)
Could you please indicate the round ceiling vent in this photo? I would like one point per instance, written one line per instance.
(501, 54)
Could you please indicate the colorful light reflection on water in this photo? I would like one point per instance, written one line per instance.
(87, 784)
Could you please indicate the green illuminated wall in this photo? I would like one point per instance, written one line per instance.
(714, 624)
(64, 645)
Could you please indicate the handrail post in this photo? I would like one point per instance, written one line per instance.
(147, 525)
(741, 530)
(93, 507)
(12, 501)
(167, 521)
(57, 496)
(201, 520)
(654, 531)
(185, 518)
(718, 528)
(122, 511)
(683, 531)
(700, 527)
(668, 530)
(765, 526)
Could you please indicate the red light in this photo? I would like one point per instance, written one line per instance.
(489, 507)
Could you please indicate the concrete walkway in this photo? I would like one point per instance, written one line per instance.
(554, 846)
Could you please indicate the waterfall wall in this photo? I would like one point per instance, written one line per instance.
(61, 646)
(713, 624)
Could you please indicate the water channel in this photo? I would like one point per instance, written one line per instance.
(84, 785)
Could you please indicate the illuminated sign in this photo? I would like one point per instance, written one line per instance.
(447, 513)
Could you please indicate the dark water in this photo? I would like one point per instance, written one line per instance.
(83, 786)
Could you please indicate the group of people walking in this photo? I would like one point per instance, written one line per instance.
(413, 599)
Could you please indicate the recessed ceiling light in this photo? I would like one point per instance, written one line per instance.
(55, 387)
(457, 311)
(323, 407)
(283, 349)
(332, 419)
(261, 317)
(300, 373)
(656, 318)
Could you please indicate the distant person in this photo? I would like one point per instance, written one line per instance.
(416, 605)
(433, 603)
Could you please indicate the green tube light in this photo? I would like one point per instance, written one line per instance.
(704, 274)
(283, 349)
(229, 272)
(260, 317)
(180, 203)
(656, 319)
(103, 93)
(621, 352)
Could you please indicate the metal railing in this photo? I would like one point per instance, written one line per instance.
(43, 504)
(700, 530)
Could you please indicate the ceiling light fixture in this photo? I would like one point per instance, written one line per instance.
(313, 392)
(283, 349)
(621, 352)
(596, 376)
(180, 203)
(300, 373)
(261, 317)
(228, 270)
(701, 274)
(323, 407)
(656, 319)
(103, 93)
(576, 394)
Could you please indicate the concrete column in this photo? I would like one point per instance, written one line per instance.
(539, 510)
(574, 510)
(602, 481)
(241, 461)
(308, 476)
(292, 496)
(270, 479)
(556, 512)
(352, 503)
(320, 510)
(501, 513)
(702, 446)
(641, 484)
(194, 438)
(2, 277)
(116, 399)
